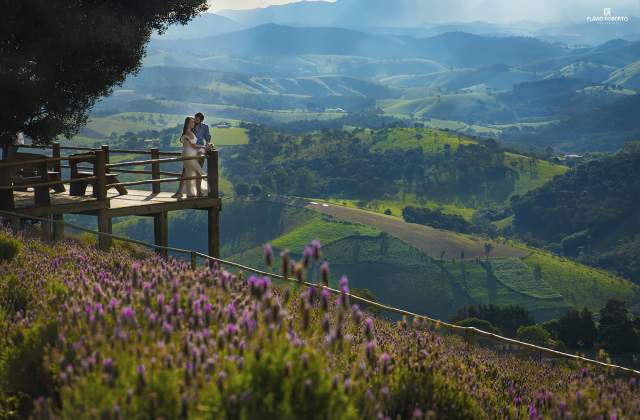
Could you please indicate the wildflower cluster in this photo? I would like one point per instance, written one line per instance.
(110, 337)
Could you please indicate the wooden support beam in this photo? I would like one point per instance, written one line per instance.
(213, 222)
(212, 173)
(161, 231)
(155, 169)
(104, 226)
(46, 232)
(58, 227)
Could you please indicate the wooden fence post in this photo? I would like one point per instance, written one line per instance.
(155, 170)
(194, 260)
(105, 149)
(55, 153)
(212, 173)
(99, 170)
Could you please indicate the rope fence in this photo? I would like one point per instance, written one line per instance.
(467, 331)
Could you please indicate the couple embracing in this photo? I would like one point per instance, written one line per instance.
(195, 140)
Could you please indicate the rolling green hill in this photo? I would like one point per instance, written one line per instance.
(499, 77)
(628, 76)
(400, 275)
(462, 106)
(585, 70)
(398, 167)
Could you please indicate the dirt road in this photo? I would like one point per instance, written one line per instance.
(427, 239)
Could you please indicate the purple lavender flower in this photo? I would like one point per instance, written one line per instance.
(368, 328)
(324, 273)
(307, 254)
(128, 315)
(315, 246)
(268, 254)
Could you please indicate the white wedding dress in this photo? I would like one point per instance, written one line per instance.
(191, 167)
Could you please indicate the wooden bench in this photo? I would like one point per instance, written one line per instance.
(80, 188)
(21, 177)
(27, 172)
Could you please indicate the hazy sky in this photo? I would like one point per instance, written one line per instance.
(244, 4)
(488, 10)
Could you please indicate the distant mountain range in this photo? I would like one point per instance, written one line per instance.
(423, 18)
(202, 26)
(457, 49)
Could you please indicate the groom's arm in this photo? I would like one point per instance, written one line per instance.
(207, 134)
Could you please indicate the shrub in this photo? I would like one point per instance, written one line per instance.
(534, 334)
(284, 383)
(15, 294)
(9, 247)
(425, 390)
(480, 324)
(24, 371)
(435, 218)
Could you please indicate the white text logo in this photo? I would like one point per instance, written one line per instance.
(607, 17)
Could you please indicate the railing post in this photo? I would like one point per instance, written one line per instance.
(100, 172)
(105, 149)
(212, 173)
(55, 153)
(155, 170)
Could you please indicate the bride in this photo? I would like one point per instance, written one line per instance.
(192, 167)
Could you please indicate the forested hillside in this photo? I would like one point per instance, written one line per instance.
(391, 162)
(590, 213)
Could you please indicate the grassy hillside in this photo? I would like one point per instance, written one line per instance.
(399, 274)
(532, 173)
(99, 128)
(462, 106)
(628, 76)
(327, 230)
(108, 334)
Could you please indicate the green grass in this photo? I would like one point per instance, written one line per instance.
(431, 141)
(532, 177)
(487, 288)
(396, 205)
(233, 136)
(579, 284)
(133, 122)
(513, 273)
(323, 228)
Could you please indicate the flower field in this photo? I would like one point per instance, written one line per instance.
(85, 334)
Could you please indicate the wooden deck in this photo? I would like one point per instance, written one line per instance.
(135, 203)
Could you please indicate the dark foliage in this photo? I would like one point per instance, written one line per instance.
(591, 212)
(507, 319)
(616, 331)
(577, 329)
(58, 57)
(340, 163)
(435, 218)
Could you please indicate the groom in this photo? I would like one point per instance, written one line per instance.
(203, 136)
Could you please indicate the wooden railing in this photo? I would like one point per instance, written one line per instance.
(103, 170)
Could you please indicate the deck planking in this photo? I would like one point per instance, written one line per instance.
(135, 203)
